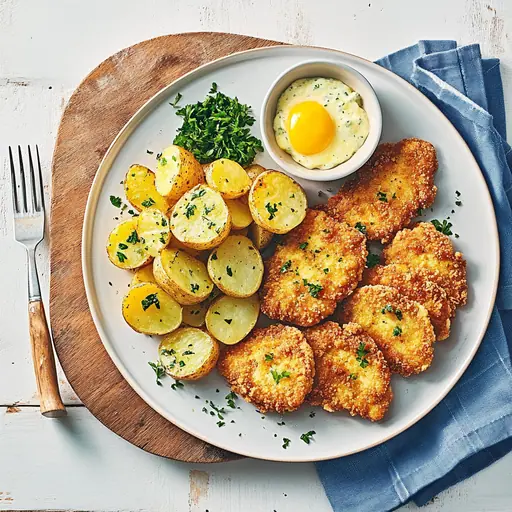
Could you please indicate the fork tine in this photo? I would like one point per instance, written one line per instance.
(35, 202)
(23, 183)
(41, 185)
(14, 186)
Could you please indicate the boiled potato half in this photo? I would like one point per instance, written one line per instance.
(231, 319)
(236, 267)
(188, 353)
(195, 314)
(143, 275)
(201, 218)
(153, 228)
(140, 190)
(259, 236)
(182, 276)
(240, 214)
(177, 172)
(277, 203)
(149, 310)
(125, 248)
(227, 177)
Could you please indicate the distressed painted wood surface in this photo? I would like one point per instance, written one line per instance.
(46, 48)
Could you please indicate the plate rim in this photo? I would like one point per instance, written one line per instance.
(104, 167)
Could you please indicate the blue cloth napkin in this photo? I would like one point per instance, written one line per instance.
(472, 427)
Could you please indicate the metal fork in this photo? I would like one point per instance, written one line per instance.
(28, 207)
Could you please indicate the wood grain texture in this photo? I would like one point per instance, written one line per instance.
(51, 404)
(96, 111)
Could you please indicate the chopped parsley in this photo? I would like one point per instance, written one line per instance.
(164, 222)
(397, 331)
(286, 442)
(121, 257)
(308, 436)
(372, 260)
(214, 256)
(352, 376)
(194, 287)
(123, 247)
(279, 376)
(163, 160)
(177, 384)
(361, 355)
(159, 370)
(189, 210)
(148, 202)
(228, 320)
(218, 127)
(269, 356)
(444, 227)
(116, 201)
(382, 196)
(272, 210)
(133, 238)
(220, 423)
(229, 272)
(326, 270)
(176, 100)
(199, 193)
(360, 227)
(286, 266)
(231, 397)
(314, 289)
(149, 152)
(303, 245)
(149, 301)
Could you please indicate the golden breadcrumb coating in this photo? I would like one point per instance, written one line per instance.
(426, 248)
(318, 264)
(388, 190)
(400, 327)
(415, 285)
(272, 369)
(351, 372)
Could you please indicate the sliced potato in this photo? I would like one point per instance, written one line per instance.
(182, 276)
(254, 170)
(201, 218)
(188, 353)
(125, 248)
(240, 214)
(259, 236)
(153, 228)
(143, 275)
(277, 203)
(178, 245)
(236, 267)
(243, 232)
(177, 172)
(231, 319)
(140, 190)
(194, 314)
(227, 177)
(149, 310)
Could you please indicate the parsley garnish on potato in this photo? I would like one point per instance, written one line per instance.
(218, 127)
(149, 301)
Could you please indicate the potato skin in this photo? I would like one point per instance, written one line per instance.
(184, 372)
(177, 172)
(164, 273)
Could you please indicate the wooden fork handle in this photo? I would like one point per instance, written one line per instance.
(44, 362)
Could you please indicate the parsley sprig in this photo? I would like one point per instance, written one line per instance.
(218, 127)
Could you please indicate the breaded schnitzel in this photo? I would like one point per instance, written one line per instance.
(426, 248)
(351, 372)
(319, 263)
(400, 327)
(273, 369)
(388, 190)
(415, 284)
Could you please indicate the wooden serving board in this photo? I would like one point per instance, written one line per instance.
(96, 112)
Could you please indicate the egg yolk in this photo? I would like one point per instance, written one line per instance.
(310, 128)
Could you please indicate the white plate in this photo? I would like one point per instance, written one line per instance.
(406, 113)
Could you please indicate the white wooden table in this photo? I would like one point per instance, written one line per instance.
(46, 47)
